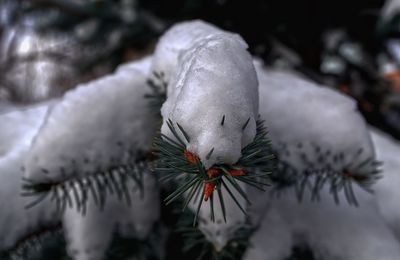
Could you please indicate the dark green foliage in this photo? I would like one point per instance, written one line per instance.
(158, 92)
(47, 243)
(171, 164)
(123, 248)
(76, 192)
(195, 241)
(316, 176)
(301, 253)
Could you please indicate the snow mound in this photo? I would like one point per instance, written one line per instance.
(89, 236)
(311, 125)
(18, 124)
(16, 134)
(213, 77)
(100, 124)
(333, 232)
(387, 188)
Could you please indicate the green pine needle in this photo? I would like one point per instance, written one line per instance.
(158, 92)
(172, 165)
(314, 179)
(76, 192)
(195, 240)
(35, 245)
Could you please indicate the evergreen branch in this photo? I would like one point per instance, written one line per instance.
(36, 245)
(194, 240)
(234, 198)
(122, 248)
(245, 124)
(158, 92)
(222, 203)
(49, 243)
(76, 192)
(197, 211)
(175, 162)
(315, 178)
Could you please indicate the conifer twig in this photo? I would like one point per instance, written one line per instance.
(175, 162)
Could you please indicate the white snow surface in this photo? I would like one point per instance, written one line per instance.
(96, 125)
(18, 124)
(142, 65)
(333, 232)
(17, 129)
(178, 39)
(89, 236)
(298, 111)
(387, 188)
(305, 118)
(211, 75)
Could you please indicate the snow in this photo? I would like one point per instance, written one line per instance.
(214, 76)
(97, 125)
(305, 118)
(18, 127)
(210, 75)
(18, 124)
(176, 40)
(272, 240)
(89, 236)
(142, 66)
(87, 123)
(298, 111)
(387, 188)
(333, 232)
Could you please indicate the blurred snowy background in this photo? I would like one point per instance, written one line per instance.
(353, 47)
(48, 47)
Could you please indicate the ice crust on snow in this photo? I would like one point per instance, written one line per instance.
(89, 236)
(210, 74)
(19, 126)
(99, 124)
(305, 118)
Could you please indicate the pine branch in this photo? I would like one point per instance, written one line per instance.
(314, 178)
(123, 248)
(76, 192)
(158, 91)
(50, 241)
(38, 245)
(194, 240)
(176, 163)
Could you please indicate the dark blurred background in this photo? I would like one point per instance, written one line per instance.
(49, 46)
